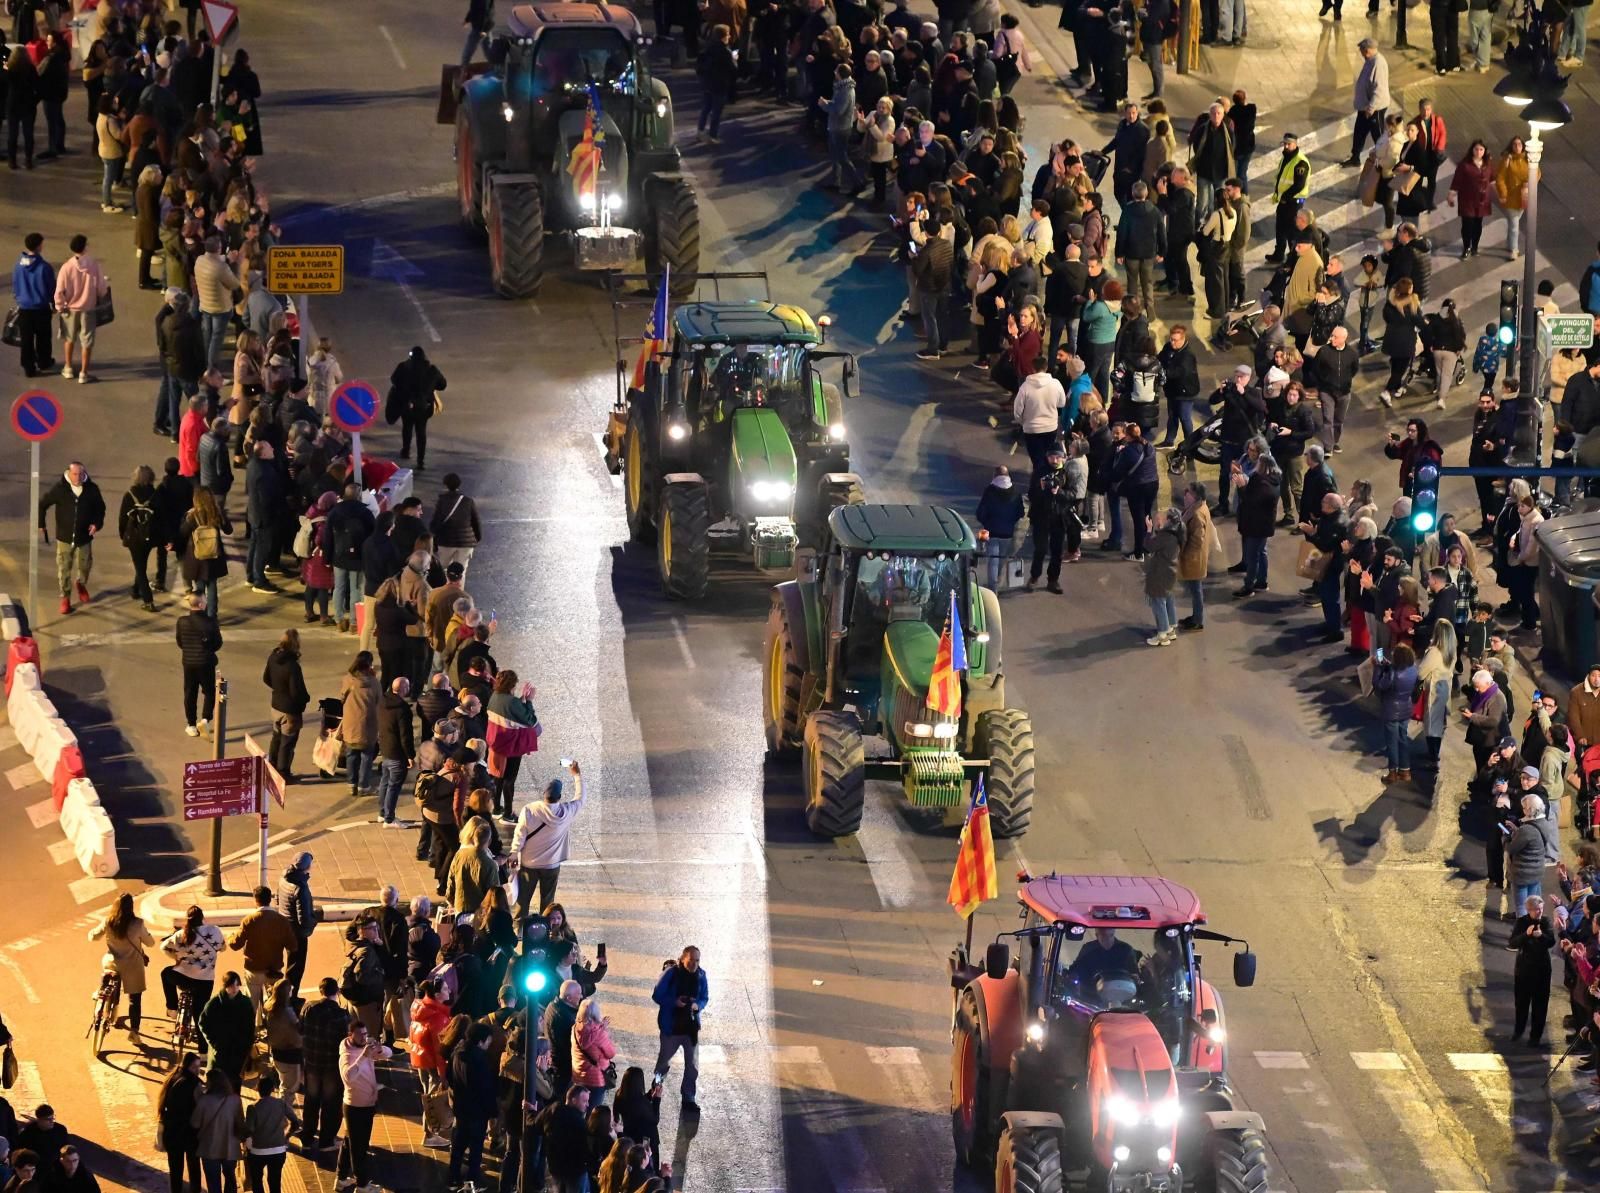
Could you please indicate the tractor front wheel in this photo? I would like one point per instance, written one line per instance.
(835, 774)
(971, 1094)
(781, 682)
(515, 218)
(1005, 737)
(1238, 1163)
(1028, 1161)
(674, 239)
(683, 553)
(638, 483)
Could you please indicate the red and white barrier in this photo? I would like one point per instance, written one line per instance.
(53, 747)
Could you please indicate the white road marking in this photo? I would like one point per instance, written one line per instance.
(393, 49)
(22, 776)
(1282, 1060)
(1265, 164)
(1478, 1062)
(44, 812)
(1378, 1061)
(8, 737)
(28, 992)
(125, 1104)
(60, 852)
(387, 263)
(817, 1101)
(28, 1091)
(87, 889)
(899, 480)
(796, 1054)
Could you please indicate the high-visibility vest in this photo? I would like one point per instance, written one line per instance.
(1286, 188)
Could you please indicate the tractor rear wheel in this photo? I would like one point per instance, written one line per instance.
(1005, 737)
(638, 481)
(834, 769)
(1238, 1163)
(781, 679)
(515, 218)
(674, 239)
(1028, 1161)
(683, 553)
(469, 180)
(971, 1094)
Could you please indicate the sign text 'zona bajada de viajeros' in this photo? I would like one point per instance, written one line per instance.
(306, 269)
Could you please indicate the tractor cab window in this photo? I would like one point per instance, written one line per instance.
(1101, 971)
(759, 375)
(893, 587)
(566, 61)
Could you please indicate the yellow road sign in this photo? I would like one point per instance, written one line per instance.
(306, 269)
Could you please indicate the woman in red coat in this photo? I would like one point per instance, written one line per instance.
(1472, 190)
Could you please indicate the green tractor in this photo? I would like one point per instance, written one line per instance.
(849, 653)
(735, 441)
(518, 123)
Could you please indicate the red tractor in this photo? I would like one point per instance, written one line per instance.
(1100, 1054)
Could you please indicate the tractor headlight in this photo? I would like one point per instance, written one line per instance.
(508, 113)
(661, 108)
(945, 729)
(918, 729)
(1165, 1112)
(771, 490)
(1120, 1154)
(677, 432)
(588, 202)
(1036, 1032)
(983, 635)
(1122, 1110)
(1216, 1034)
(836, 432)
(613, 202)
(1164, 1155)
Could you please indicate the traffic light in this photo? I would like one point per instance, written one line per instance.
(534, 977)
(1509, 309)
(1425, 496)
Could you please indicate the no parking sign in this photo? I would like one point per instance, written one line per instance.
(354, 406)
(35, 416)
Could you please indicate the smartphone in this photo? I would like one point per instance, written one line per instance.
(911, 247)
(566, 762)
(1378, 654)
(600, 952)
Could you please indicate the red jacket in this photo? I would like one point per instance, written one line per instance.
(1433, 132)
(1474, 188)
(428, 1019)
(190, 430)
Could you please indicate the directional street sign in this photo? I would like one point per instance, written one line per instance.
(306, 269)
(1567, 331)
(220, 18)
(270, 778)
(219, 787)
(36, 415)
(354, 406)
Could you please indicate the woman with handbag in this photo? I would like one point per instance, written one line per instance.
(414, 389)
(201, 556)
(593, 1052)
(175, 1132)
(1435, 677)
(1386, 157)
(126, 940)
(1194, 560)
(1395, 680)
(1414, 174)
(218, 1121)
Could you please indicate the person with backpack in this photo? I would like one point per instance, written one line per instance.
(361, 981)
(414, 387)
(1140, 381)
(138, 526)
(199, 545)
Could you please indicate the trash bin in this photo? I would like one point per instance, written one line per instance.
(1569, 591)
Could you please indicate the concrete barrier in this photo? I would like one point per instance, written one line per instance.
(81, 797)
(95, 845)
(24, 704)
(69, 766)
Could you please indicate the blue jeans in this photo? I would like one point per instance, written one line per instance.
(347, 584)
(1576, 34)
(711, 105)
(169, 401)
(391, 779)
(1522, 892)
(358, 763)
(470, 46)
(1397, 744)
(845, 175)
(1197, 601)
(935, 320)
(263, 550)
(1113, 520)
(994, 552)
(215, 330)
(1227, 454)
(1179, 413)
(1255, 562)
(209, 589)
(110, 171)
(1061, 332)
(1165, 610)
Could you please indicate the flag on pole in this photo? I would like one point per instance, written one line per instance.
(944, 685)
(655, 330)
(975, 879)
(584, 164)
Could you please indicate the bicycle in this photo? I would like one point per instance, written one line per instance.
(106, 999)
(186, 1029)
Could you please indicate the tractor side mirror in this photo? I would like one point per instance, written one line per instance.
(1244, 969)
(997, 961)
(849, 377)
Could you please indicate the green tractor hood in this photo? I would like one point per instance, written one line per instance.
(761, 467)
(909, 648)
(932, 772)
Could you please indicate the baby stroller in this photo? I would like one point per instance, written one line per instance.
(1588, 791)
(1422, 367)
(328, 752)
(1202, 447)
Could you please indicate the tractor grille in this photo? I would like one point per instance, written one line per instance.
(904, 709)
(934, 777)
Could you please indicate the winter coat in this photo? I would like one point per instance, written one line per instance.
(473, 873)
(265, 936)
(283, 675)
(429, 1017)
(1473, 186)
(411, 388)
(999, 511)
(294, 900)
(198, 570)
(176, 1114)
(359, 1072)
(1510, 180)
(196, 958)
(218, 1122)
(513, 730)
(129, 952)
(1401, 323)
(1162, 550)
(396, 739)
(1258, 504)
(347, 529)
(1181, 371)
(1525, 851)
(1038, 404)
(1141, 232)
(268, 1125)
(229, 1024)
(592, 1050)
(455, 521)
(75, 513)
(1394, 690)
(198, 639)
(359, 696)
(1437, 680)
(1194, 559)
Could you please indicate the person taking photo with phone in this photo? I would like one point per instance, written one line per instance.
(681, 993)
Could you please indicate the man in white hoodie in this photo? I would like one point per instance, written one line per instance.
(540, 842)
(1037, 410)
(358, 1067)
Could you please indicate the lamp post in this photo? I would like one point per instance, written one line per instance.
(1534, 87)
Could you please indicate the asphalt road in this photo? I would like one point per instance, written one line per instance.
(1237, 762)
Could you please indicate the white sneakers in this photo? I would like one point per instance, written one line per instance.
(66, 371)
(202, 725)
(1439, 405)
(1166, 639)
(1387, 399)
(191, 731)
(435, 1141)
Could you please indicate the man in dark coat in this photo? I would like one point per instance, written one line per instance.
(1127, 147)
(397, 745)
(1182, 383)
(344, 534)
(80, 512)
(1244, 410)
(199, 639)
(296, 901)
(266, 490)
(1533, 936)
(1049, 508)
(412, 387)
(228, 1023)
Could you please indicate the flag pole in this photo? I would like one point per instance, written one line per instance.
(969, 935)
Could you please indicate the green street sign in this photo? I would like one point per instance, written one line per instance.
(1567, 331)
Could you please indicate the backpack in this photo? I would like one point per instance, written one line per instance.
(305, 539)
(351, 985)
(137, 532)
(1142, 387)
(206, 543)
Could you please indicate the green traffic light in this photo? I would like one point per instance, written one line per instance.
(1422, 521)
(1507, 334)
(533, 981)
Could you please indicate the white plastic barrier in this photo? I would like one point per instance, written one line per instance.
(398, 488)
(11, 625)
(95, 844)
(22, 705)
(82, 799)
(54, 737)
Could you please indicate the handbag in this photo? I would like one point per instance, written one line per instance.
(8, 1068)
(1368, 187)
(1313, 563)
(1408, 177)
(10, 333)
(611, 1075)
(325, 754)
(104, 310)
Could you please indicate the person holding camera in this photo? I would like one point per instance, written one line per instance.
(1050, 509)
(681, 993)
(1394, 679)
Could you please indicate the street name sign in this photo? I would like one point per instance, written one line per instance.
(1567, 331)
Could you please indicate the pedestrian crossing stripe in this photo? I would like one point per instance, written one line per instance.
(1378, 1061)
(1477, 1062)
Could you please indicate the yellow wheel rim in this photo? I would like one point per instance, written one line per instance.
(635, 480)
(775, 681)
(666, 541)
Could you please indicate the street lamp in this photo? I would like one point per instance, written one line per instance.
(1534, 86)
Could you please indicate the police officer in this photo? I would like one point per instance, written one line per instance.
(1290, 185)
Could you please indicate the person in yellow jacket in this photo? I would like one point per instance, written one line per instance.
(1291, 181)
(1511, 190)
